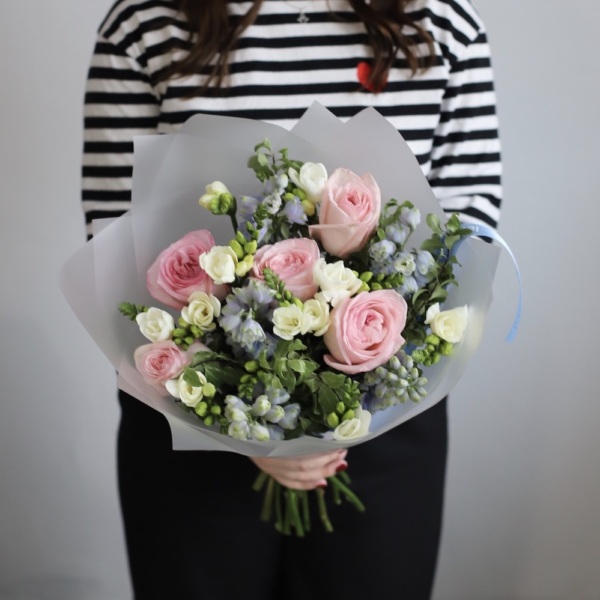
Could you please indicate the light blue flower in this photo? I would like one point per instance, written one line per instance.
(424, 261)
(272, 203)
(290, 420)
(277, 395)
(294, 211)
(250, 334)
(397, 233)
(408, 287)
(404, 263)
(381, 252)
(411, 217)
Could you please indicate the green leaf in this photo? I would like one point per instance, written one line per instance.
(327, 400)
(332, 380)
(297, 365)
(434, 223)
(191, 377)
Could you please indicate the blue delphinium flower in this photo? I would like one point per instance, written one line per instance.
(294, 211)
(409, 286)
(241, 315)
(404, 262)
(382, 253)
(397, 233)
(411, 217)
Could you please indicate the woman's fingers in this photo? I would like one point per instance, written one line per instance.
(303, 472)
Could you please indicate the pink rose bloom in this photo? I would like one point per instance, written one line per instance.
(365, 331)
(176, 274)
(293, 261)
(160, 361)
(349, 212)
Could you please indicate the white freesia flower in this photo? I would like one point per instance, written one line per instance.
(449, 325)
(190, 395)
(311, 178)
(202, 309)
(259, 432)
(287, 321)
(213, 190)
(219, 263)
(354, 428)
(261, 406)
(315, 316)
(156, 324)
(335, 280)
(236, 410)
(240, 430)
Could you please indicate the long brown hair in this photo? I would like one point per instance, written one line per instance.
(214, 34)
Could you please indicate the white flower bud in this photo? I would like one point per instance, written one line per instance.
(261, 406)
(156, 324)
(449, 325)
(354, 428)
(219, 263)
(239, 430)
(188, 394)
(287, 321)
(275, 414)
(259, 432)
(335, 281)
(213, 190)
(311, 178)
(201, 310)
(315, 316)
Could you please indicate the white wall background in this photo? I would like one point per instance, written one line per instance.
(522, 517)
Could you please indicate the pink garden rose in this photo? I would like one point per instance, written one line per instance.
(365, 331)
(176, 273)
(349, 212)
(161, 361)
(293, 261)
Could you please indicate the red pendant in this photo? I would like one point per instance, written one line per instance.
(363, 73)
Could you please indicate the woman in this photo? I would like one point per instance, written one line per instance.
(191, 520)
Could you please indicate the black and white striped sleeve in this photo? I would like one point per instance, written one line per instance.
(119, 104)
(466, 168)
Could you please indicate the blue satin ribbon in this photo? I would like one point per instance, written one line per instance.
(485, 231)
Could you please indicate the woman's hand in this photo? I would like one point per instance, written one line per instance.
(303, 472)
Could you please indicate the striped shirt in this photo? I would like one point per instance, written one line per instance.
(447, 114)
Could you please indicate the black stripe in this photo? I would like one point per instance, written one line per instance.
(470, 88)
(90, 147)
(468, 113)
(122, 98)
(466, 159)
(466, 181)
(113, 172)
(102, 214)
(106, 195)
(465, 136)
(108, 73)
(477, 214)
(120, 122)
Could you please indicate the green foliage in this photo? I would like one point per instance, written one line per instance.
(131, 311)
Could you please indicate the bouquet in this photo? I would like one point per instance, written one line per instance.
(328, 314)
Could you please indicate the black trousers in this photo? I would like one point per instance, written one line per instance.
(193, 530)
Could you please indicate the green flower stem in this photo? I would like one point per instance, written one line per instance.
(278, 508)
(347, 492)
(260, 481)
(291, 508)
(323, 514)
(267, 508)
(292, 505)
(305, 510)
